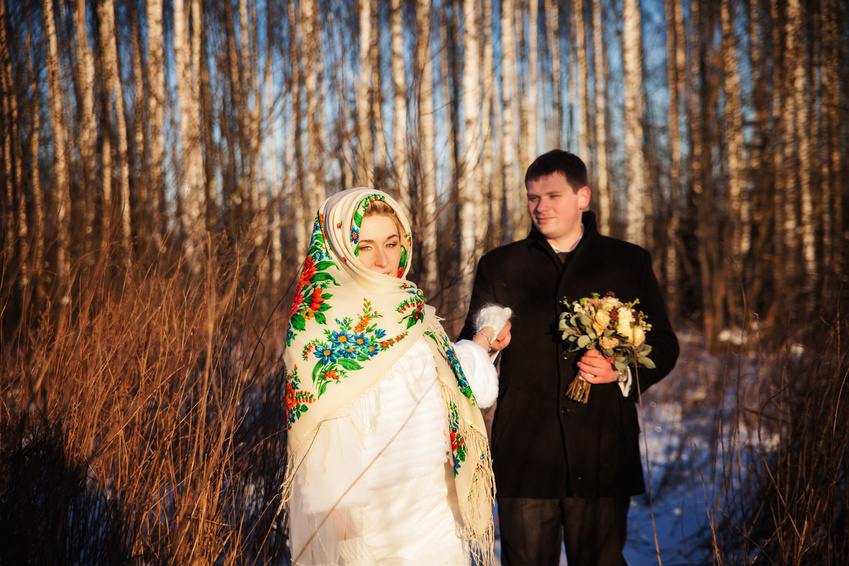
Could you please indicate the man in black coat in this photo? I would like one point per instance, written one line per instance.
(566, 470)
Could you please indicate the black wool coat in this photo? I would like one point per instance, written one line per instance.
(545, 445)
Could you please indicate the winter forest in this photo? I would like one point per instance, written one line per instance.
(162, 162)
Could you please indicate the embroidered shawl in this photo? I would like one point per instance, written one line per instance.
(349, 325)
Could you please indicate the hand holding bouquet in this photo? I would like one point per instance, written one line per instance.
(606, 324)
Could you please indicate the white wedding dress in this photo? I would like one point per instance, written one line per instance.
(376, 486)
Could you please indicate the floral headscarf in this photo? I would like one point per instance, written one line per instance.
(349, 325)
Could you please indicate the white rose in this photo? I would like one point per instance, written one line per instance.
(600, 322)
(638, 336)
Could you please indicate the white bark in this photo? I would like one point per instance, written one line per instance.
(61, 188)
(427, 137)
(585, 136)
(552, 17)
(399, 85)
(366, 150)
(156, 116)
(634, 136)
(472, 224)
(115, 93)
(311, 25)
(533, 79)
(602, 175)
(88, 129)
(513, 190)
(738, 211)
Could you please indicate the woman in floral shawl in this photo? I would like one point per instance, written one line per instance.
(388, 456)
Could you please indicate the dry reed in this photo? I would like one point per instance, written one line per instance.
(149, 427)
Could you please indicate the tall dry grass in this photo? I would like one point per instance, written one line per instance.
(146, 423)
(783, 496)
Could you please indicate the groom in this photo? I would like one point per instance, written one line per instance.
(565, 470)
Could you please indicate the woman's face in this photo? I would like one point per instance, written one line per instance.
(380, 244)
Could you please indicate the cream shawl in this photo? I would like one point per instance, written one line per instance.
(348, 326)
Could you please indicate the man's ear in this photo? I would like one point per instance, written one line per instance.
(584, 194)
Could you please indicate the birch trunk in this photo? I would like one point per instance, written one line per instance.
(38, 223)
(792, 150)
(115, 98)
(427, 137)
(141, 153)
(312, 71)
(585, 138)
(676, 73)
(9, 120)
(638, 201)
(61, 188)
(533, 79)
(380, 144)
(211, 153)
(512, 176)
(294, 161)
(602, 175)
(365, 169)
(832, 164)
(492, 212)
(156, 116)
(552, 22)
(785, 243)
(704, 216)
(190, 192)
(738, 216)
(399, 85)
(88, 128)
(797, 47)
(470, 190)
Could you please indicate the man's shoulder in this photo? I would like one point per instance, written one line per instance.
(519, 249)
(620, 247)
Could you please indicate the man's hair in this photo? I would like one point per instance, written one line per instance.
(558, 161)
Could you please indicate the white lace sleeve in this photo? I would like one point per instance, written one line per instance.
(478, 368)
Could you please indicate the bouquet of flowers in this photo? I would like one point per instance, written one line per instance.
(606, 324)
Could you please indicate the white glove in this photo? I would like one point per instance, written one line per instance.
(495, 316)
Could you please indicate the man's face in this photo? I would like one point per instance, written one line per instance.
(556, 209)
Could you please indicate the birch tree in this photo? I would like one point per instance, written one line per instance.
(191, 186)
(512, 179)
(639, 206)
(533, 74)
(552, 34)
(399, 85)
(61, 188)
(738, 236)
(156, 116)
(584, 138)
(602, 168)
(88, 126)
(427, 137)
(115, 101)
(801, 123)
(365, 159)
(470, 190)
(311, 25)
(676, 73)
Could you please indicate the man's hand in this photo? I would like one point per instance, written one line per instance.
(595, 368)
